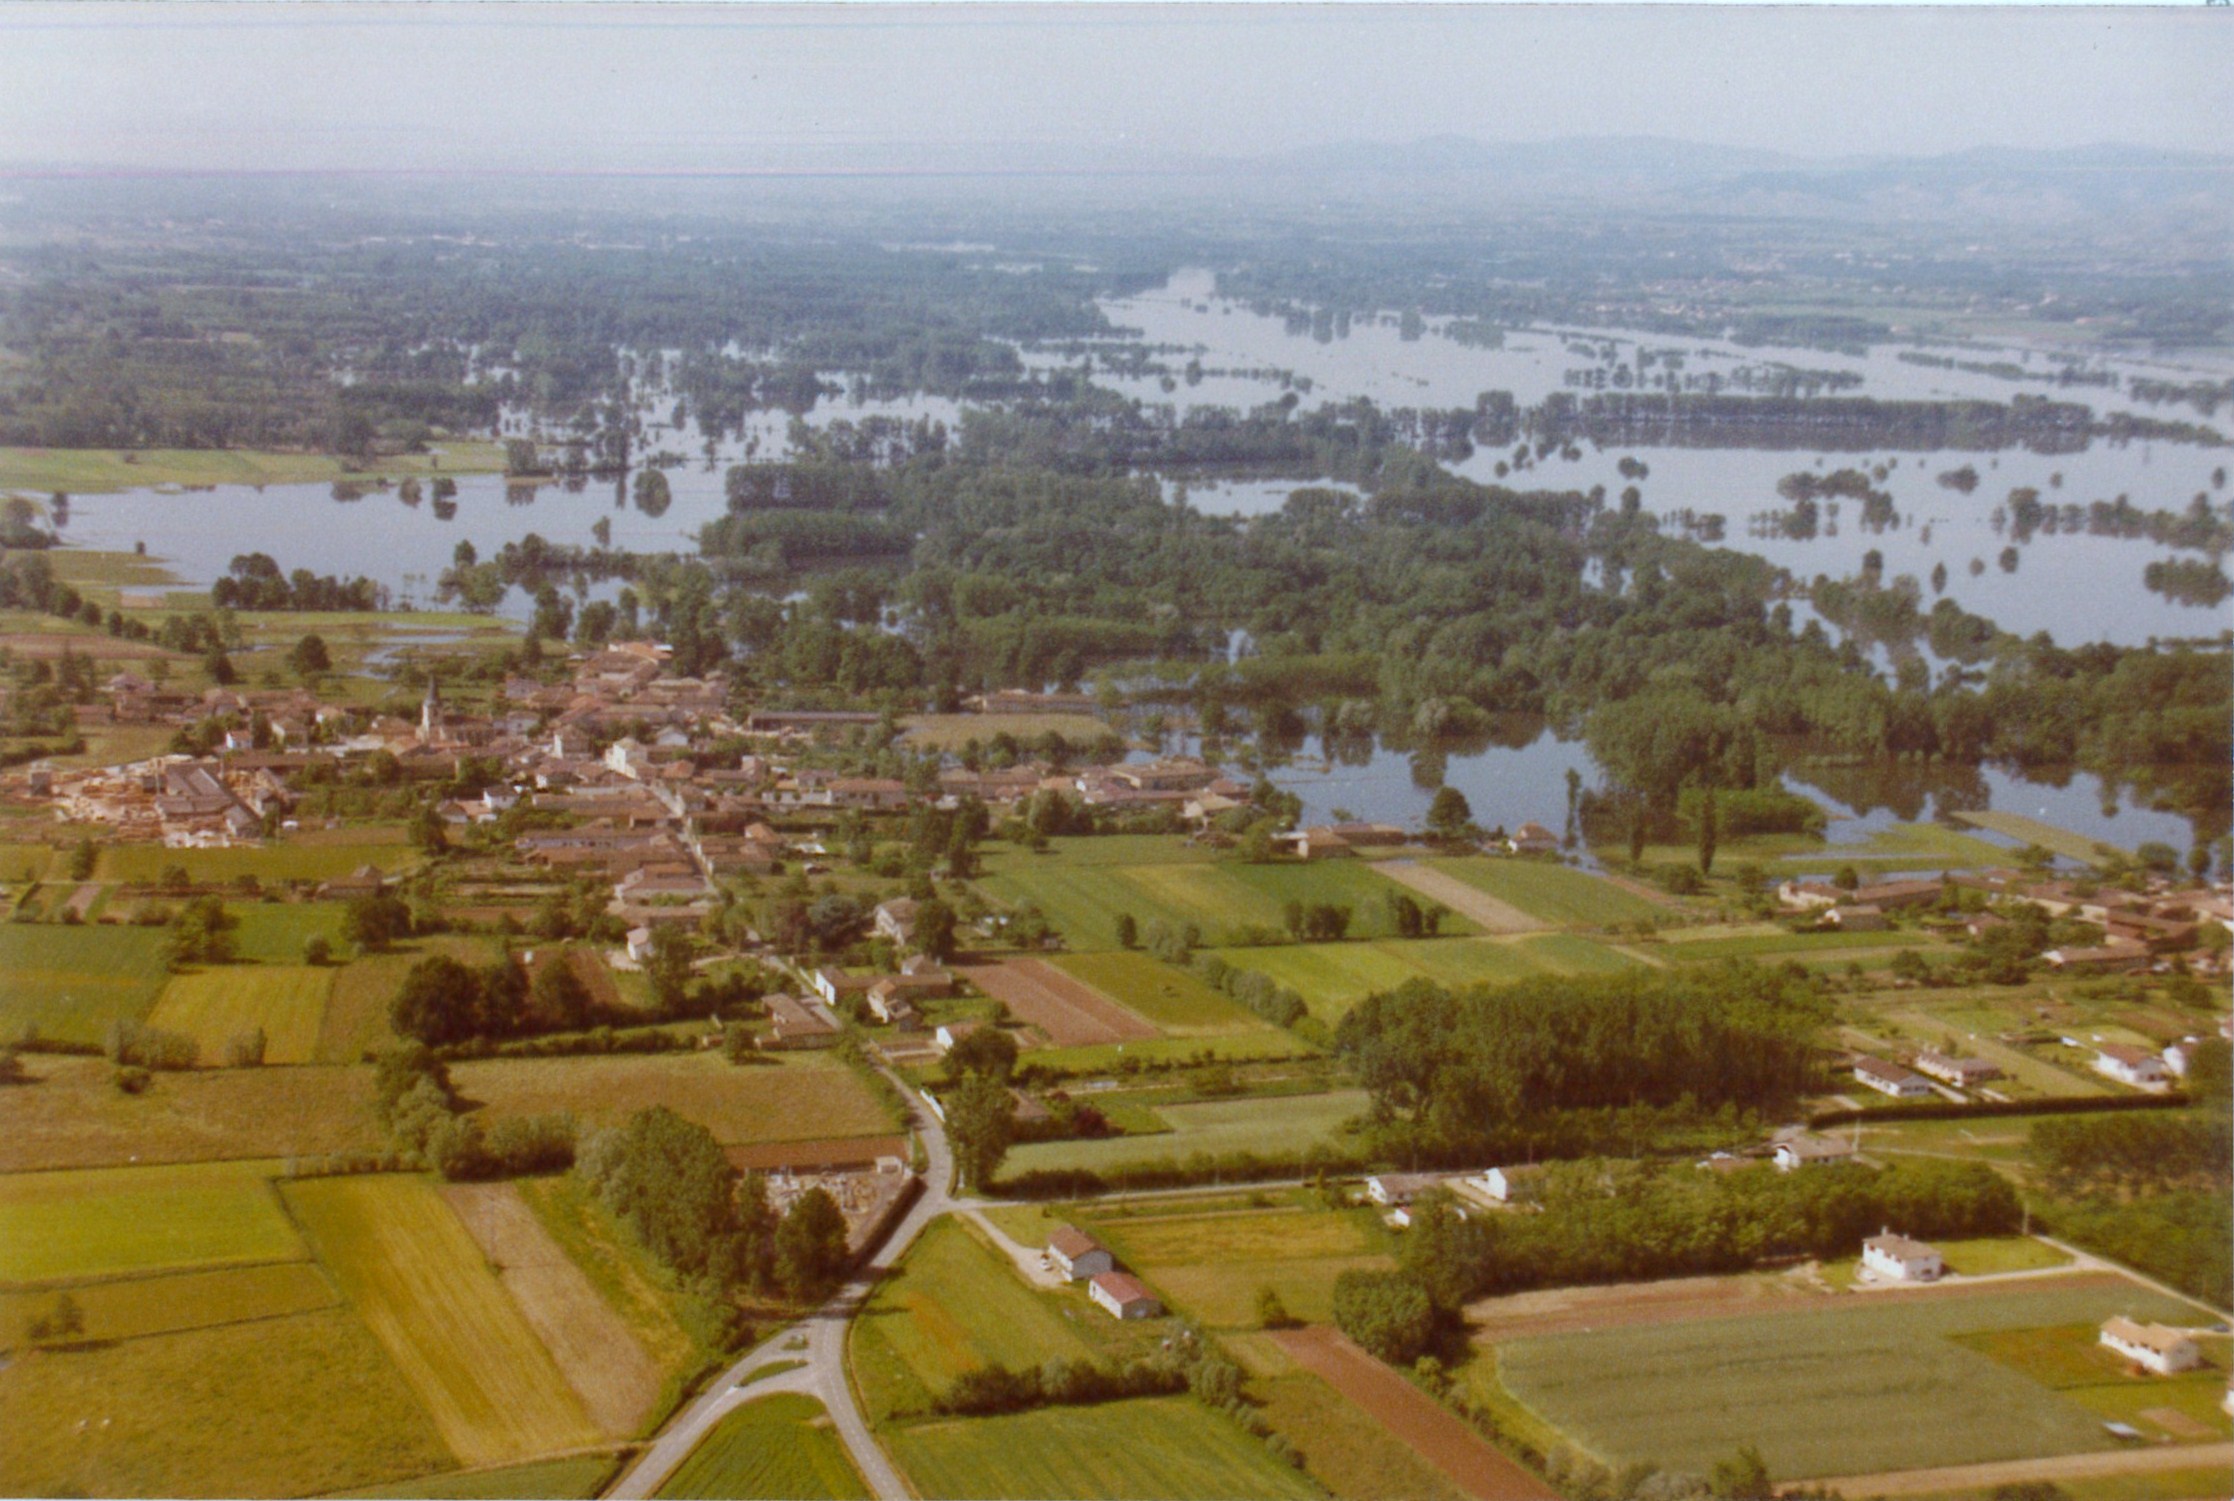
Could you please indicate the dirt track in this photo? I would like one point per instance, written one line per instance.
(1480, 1469)
(2063, 1467)
(1476, 906)
(595, 1350)
(1068, 1011)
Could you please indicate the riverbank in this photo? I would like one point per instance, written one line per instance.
(93, 471)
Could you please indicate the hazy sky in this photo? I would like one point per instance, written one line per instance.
(576, 86)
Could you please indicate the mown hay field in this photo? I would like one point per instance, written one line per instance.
(635, 1287)
(1083, 891)
(1213, 1265)
(1155, 1446)
(804, 1097)
(576, 1479)
(1171, 999)
(68, 983)
(275, 932)
(1271, 1127)
(100, 1222)
(134, 1308)
(72, 1116)
(365, 988)
(1852, 1386)
(1556, 894)
(287, 1406)
(214, 1006)
(1347, 1452)
(779, 1448)
(1334, 977)
(424, 1290)
(955, 1305)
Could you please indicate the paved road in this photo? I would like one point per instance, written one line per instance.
(816, 1344)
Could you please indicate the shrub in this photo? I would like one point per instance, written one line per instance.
(132, 1079)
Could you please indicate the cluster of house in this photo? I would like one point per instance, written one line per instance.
(1081, 1258)
(1931, 1074)
(2139, 927)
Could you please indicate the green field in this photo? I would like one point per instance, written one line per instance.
(1157, 1446)
(1344, 1450)
(70, 982)
(106, 1221)
(275, 932)
(1558, 894)
(543, 1480)
(1212, 1265)
(72, 1116)
(292, 861)
(365, 987)
(1174, 1000)
(1902, 846)
(2071, 1359)
(288, 1406)
(1265, 1044)
(137, 1307)
(1333, 977)
(780, 1448)
(806, 1097)
(953, 731)
(955, 1305)
(1858, 1386)
(1276, 1126)
(422, 1286)
(1703, 946)
(1082, 889)
(86, 471)
(617, 1265)
(2033, 831)
(213, 1006)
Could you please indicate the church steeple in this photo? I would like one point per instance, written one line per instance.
(430, 710)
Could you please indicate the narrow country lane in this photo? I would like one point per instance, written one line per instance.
(819, 1341)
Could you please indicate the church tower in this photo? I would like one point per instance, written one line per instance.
(430, 712)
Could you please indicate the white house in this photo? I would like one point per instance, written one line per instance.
(1078, 1255)
(2135, 1066)
(953, 1032)
(1892, 1079)
(1964, 1073)
(2164, 1351)
(1123, 1296)
(896, 920)
(2179, 1055)
(1896, 1258)
(639, 944)
(1397, 1189)
(1805, 1149)
(1511, 1185)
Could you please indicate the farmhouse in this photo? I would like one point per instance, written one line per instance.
(1395, 1189)
(1123, 1296)
(1078, 1255)
(2164, 1351)
(1891, 1078)
(1806, 1149)
(896, 920)
(1799, 895)
(2135, 1066)
(1961, 1072)
(887, 1003)
(1531, 839)
(952, 1033)
(1896, 1258)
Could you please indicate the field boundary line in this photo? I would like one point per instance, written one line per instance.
(2009, 1471)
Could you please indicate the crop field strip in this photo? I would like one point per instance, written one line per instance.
(779, 1448)
(1283, 1125)
(1349, 1453)
(577, 1479)
(616, 1378)
(639, 1291)
(1333, 977)
(287, 1002)
(1834, 1386)
(1211, 1265)
(1066, 1010)
(137, 1307)
(419, 1282)
(103, 1222)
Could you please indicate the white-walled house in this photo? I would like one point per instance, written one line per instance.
(1896, 1258)
(1512, 1185)
(1892, 1079)
(2135, 1066)
(2164, 1351)
(1078, 1255)
(1805, 1149)
(1123, 1296)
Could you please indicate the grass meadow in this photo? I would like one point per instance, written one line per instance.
(212, 1006)
(1284, 1124)
(89, 471)
(275, 932)
(365, 987)
(287, 1406)
(71, 1116)
(1154, 1446)
(134, 1308)
(779, 1448)
(631, 1283)
(1347, 1452)
(294, 860)
(69, 982)
(805, 1097)
(1161, 878)
(1558, 894)
(1858, 1385)
(101, 1222)
(576, 1479)
(1212, 1265)
(953, 731)
(954, 1305)
(1171, 999)
(420, 1283)
(1333, 977)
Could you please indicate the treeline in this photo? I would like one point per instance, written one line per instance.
(1484, 1074)
(2149, 1189)
(253, 581)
